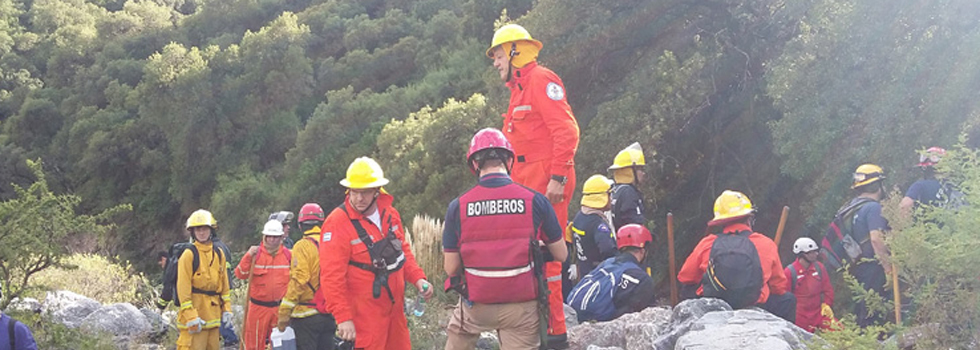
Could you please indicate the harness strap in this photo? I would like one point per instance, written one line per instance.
(380, 275)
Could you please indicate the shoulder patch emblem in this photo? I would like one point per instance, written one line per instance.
(555, 91)
(327, 236)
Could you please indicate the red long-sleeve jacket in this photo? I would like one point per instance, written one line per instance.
(697, 262)
(541, 127)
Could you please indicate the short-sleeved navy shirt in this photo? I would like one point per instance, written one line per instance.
(867, 218)
(925, 191)
(544, 215)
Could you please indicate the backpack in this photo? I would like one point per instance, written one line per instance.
(592, 297)
(838, 245)
(951, 197)
(169, 291)
(734, 272)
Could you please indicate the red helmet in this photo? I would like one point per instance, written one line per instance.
(633, 235)
(931, 156)
(311, 212)
(489, 139)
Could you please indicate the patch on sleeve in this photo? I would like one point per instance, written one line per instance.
(555, 91)
(327, 236)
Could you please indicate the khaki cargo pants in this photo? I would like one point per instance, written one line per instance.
(516, 325)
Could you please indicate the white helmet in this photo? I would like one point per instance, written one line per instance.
(272, 228)
(804, 245)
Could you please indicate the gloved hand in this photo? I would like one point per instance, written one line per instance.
(195, 326)
(826, 311)
(226, 317)
(282, 323)
(162, 304)
(573, 272)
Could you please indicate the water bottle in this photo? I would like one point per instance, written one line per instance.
(285, 340)
(418, 308)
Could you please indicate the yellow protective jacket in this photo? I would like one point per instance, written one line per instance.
(203, 293)
(303, 274)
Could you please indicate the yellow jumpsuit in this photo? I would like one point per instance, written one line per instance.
(203, 293)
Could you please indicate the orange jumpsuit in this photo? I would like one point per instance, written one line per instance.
(544, 133)
(270, 276)
(379, 323)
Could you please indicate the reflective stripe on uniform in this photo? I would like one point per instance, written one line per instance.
(522, 108)
(307, 313)
(186, 305)
(226, 297)
(554, 278)
(499, 273)
(288, 303)
(272, 266)
(355, 241)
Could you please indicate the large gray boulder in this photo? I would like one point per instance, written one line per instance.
(121, 319)
(684, 315)
(68, 308)
(742, 329)
(635, 331)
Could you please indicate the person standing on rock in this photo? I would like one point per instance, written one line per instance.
(268, 267)
(618, 285)
(491, 233)
(593, 237)
(544, 133)
(737, 265)
(365, 263)
(810, 283)
(314, 330)
(202, 287)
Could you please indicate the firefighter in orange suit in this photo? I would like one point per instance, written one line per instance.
(202, 292)
(365, 263)
(544, 133)
(269, 278)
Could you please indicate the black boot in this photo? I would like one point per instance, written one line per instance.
(556, 342)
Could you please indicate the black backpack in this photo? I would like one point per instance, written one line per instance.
(838, 245)
(734, 272)
(169, 291)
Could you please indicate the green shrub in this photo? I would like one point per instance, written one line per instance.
(99, 278)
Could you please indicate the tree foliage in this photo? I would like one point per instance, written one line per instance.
(34, 229)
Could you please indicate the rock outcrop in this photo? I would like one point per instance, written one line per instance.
(68, 308)
(698, 324)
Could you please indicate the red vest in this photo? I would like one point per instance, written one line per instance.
(496, 233)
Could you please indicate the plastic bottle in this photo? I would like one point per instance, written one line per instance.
(418, 308)
(285, 340)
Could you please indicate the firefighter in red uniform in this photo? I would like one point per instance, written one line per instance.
(270, 276)
(544, 133)
(491, 232)
(365, 263)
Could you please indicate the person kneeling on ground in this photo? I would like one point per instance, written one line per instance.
(617, 286)
(737, 265)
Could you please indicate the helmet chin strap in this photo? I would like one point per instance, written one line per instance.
(373, 200)
(510, 60)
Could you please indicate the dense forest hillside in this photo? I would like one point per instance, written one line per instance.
(252, 106)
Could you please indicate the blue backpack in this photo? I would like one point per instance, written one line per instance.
(592, 297)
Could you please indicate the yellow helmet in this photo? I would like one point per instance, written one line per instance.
(201, 217)
(629, 156)
(867, 174)
(364, 172)
(595, 191)
(515, 33)
(732, 204)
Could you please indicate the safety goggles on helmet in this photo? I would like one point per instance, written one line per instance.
(931, 156)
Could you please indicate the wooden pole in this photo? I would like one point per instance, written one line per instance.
(782, 225)
(248, 292)
(898, 296)
(670, 257)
